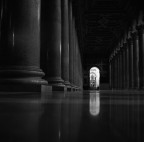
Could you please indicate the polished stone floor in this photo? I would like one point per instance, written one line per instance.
(88, 116)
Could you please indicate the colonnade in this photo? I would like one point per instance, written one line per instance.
(39, 46)
(126, 62)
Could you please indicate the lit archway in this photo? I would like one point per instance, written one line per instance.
(94, 78)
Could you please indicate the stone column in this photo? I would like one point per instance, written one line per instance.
(121, 83)
(74, 55)
(141, 54)
(65, 43)
(53, 28)
(78, 70)
(20, 45)
(131, 69)
(115, 71)
(76, 62)
(118, 69)
(70, 44)
(136, 60)
(127, 65)
(124, 70)
(110, 73)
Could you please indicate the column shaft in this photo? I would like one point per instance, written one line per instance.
(127, 66)
(20, 44)
(124, 70)
(131, 64)
(70, 44)
(110, 74)
(121, 69)
(74, 54)
(136, 60)
(115, 72)
(118, 69)
(141, 55)
(65, 43)
(54, 42)
(117, 75)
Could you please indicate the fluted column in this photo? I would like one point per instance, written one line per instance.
(20, 45)
(70, 43)
(53, 27)
(65, 43)
(141, 54)
(136, 60)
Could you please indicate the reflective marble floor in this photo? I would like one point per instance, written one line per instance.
(88, 116)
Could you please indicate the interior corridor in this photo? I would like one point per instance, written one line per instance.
(71, 71)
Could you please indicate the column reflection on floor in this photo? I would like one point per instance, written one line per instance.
(61, 117)
(116, 116)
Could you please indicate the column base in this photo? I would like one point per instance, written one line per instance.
(21, 88)
(21, 79)
(135, 88)
(59, 88)
(46, 88)
(72, 87)
(68, 86)
(67, 83)
(142, 88)
(56, 81)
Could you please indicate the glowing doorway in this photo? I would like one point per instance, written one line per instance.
(94, 78)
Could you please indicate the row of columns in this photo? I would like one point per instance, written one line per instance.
(38, 45)
(127, 62)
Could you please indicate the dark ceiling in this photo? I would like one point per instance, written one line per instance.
(101, 23)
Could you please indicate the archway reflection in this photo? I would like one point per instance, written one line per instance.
(94, 103)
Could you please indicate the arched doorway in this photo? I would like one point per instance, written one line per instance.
(94, 78)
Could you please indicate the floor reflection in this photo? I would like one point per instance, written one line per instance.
(116, 116)
(94, 103)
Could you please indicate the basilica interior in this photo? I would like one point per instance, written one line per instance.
(71, 70)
